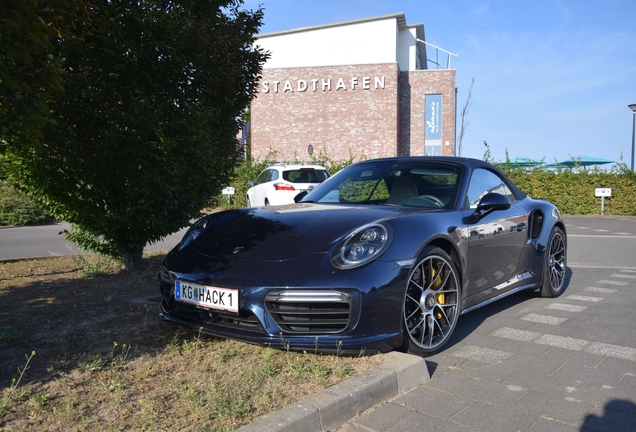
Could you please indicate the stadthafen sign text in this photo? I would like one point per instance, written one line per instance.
(325, 84)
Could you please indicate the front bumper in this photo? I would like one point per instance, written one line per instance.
(362, 311)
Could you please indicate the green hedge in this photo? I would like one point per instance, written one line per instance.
(573, 191)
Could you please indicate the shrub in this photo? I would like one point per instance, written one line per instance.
(16, 208)
(243, 173)
(249, 170)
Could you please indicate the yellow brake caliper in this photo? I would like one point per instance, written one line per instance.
(439, 297)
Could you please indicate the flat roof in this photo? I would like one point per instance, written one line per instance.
(401, 20)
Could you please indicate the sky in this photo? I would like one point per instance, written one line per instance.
(552, 78)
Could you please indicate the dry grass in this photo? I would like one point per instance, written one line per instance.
(79, 353)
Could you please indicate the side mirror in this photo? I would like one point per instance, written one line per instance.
(492, 202)
(250, 182)
(300, 196)
(489, 203)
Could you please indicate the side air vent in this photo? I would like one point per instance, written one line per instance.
(536, 223)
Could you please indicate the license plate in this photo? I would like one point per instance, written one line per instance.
(206, 296)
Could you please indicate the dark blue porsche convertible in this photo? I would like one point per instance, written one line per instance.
(384, 255)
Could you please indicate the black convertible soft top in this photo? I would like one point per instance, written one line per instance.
(469, 163)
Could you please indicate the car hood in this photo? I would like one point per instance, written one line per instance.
(274, 234)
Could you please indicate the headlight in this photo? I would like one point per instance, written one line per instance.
(195, 231)
(362, 246)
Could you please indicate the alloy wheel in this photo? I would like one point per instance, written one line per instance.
(556, 261)
(431, 303)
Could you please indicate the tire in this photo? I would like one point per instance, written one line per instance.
(431, 303)
(554, 264)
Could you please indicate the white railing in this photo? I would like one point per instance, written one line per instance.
(437, 50)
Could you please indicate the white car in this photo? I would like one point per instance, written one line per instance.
(279, 184)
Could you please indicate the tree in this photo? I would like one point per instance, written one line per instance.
(464, 124)
(145, 131)
(30, 71)
(487, 155)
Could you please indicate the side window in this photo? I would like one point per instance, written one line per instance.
(274, 175)
(482, 182)
(262, 177)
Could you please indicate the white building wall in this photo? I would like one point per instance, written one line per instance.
(407, 55)
(356, 43)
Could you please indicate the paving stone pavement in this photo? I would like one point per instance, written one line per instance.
(527, 363)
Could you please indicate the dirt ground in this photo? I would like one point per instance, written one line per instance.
(90, 353)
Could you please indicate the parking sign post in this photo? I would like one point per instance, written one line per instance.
(603, 192)
(229, 191)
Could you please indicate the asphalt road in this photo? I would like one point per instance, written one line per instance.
(601, 241)
(46, 240)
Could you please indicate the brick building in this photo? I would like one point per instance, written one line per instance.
(360, 88)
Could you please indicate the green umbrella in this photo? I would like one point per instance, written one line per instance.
(582, 161)
(526, 162)
(523, 162)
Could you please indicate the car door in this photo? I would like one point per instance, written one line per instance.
(495, 242)
(258, 193)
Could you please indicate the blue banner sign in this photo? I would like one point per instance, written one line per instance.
(433, 117)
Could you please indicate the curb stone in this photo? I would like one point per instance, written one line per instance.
(331, 408)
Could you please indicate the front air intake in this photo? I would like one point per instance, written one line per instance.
(311, 311)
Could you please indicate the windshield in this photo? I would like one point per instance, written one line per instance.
(390, 182)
